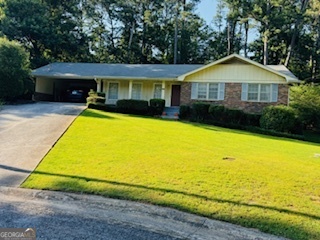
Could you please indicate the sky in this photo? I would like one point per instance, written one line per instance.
(207, 9)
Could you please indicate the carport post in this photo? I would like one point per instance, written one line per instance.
(98, 81)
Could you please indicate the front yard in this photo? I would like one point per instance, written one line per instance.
(257, 181)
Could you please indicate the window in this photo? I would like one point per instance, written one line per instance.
(259, 92)
(207, 91)
(157, 91)
(136, 91)
(113, 91)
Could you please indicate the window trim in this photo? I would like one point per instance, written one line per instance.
(154, 90)
(138, 83)
(220, 92)
(273, 97)
(112, 99)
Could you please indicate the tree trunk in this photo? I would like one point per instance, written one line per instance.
(246, 27)
(296, 30)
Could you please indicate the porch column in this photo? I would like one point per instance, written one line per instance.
(130, 90)
(163, 88)
(98, 81)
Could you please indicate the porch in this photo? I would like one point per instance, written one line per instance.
(140, 90)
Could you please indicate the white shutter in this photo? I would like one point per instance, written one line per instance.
(194, 91)
(221, 91)
(274, 92)
(244, 92)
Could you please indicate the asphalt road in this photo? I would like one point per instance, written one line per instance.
(58, 215)
(27, 133)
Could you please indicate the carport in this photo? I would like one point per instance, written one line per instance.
(55, 89)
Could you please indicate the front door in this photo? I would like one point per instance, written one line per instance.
(175, 95)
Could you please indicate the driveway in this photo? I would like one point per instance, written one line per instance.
(27, 133)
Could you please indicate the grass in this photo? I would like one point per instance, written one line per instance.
(253, 180)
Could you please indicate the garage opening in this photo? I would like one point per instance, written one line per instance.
(72, 90)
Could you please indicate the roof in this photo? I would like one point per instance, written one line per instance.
(280, 70)
(145, 71)
(113, 71)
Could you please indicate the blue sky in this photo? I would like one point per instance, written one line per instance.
(207, 9)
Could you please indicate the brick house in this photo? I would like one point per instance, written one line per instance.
(234, 81)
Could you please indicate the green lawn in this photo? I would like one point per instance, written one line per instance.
(257, 181)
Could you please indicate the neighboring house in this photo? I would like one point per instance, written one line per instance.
(233, 81)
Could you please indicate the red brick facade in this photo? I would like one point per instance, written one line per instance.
(232, 98)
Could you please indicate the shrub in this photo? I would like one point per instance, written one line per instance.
(133, 106)
(280, 119)
(217, 112)
(103, 107)
(157, 106)
(234, 116)
(184, 112)
(252, 119)
(306, 100)
(200, 111)
(14, 70)
(96, 97)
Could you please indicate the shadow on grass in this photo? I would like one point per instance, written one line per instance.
(96, 114)
(71, 183)
(164, 190)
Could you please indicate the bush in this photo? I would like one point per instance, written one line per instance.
(132, 106)
(280, 119)
(200, 111)
(223, 114)
(103, 107)
(184, 112)
(14, 70)
(252, 119)
(96, 97)
(235, 116)
(306, 100)
(157, 106)
(217, 113)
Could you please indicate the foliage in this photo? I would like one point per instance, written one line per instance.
(232, 117)
(102, 107)
(157, 106)
(96, 97)
(305, 98)
(199, 111)
(217, 113)
(133, 106)
(14, 69)
(157, 31)
(257, 181)
(280, 119)
(184, 112)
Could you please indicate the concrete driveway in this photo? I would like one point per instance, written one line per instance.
(27, 133)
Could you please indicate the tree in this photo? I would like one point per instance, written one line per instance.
(305, 98)
(14, 69)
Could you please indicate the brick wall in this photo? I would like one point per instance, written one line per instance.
(232, 98)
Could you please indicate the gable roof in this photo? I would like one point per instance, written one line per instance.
(113, 71)
(279, 70)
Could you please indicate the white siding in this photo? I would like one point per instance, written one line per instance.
(147, 89)
(235, 73)
(44, 85)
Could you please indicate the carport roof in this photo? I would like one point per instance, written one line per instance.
(113, 71)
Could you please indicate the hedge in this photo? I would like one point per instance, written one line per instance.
(157, 106)
(132, 106)
(280, 119)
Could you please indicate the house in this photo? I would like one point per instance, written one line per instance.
(234, 81)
